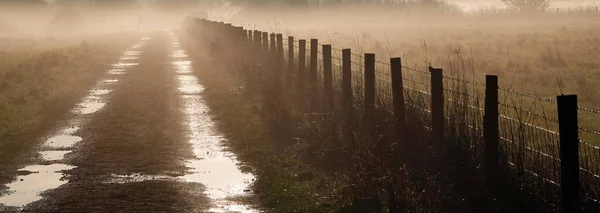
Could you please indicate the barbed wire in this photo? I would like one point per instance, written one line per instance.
(592, 131)
(529, 112)
(357, 55)
(464, 81)
(528, 95)
(416, 70)
(590, 110)
(357, 64)
(463, 93)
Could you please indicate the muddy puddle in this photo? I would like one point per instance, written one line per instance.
(214, 167)
(33, 180)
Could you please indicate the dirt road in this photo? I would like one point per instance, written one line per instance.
(141, 141)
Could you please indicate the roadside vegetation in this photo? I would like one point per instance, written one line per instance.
(534, 50)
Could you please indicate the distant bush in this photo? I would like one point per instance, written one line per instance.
(527, 5)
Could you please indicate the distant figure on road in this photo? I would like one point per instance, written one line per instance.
(139, 22)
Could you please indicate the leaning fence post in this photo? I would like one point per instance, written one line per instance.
(569, 153)
(437, 105)
(301, 71)
(490, 128)
(328, 76)
(369, 88)
(312, 79)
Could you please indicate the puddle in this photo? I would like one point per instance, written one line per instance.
(36, 179)
(99, 92)
(62, 141)
(132, 53)
(188, 84)
(124, 65)
(214, 167)
(116, 72)
(27, 188)
(232, 207)
(137, 177)
(179, 54)
(129, 58)
(183, 67)
(53, 155)
(89, 107)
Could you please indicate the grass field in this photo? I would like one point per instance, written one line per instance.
(521, 48)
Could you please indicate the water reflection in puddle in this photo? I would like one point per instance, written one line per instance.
(183, 67)
(35, 179)
(27, 188)
(179, 54)
(89, 107)
(116, 72)
(99, 92)
(53, 155)
(124, 65)
(137, 177)
(214, 167)
(62, 141)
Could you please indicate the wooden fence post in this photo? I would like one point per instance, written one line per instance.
(347, 98)
(312, 80)
(265, 43)
(249, 36)
(279, 56)
(437, 105)
(328, 77)
(400, 119)
(369, 88)
(291, 55)
(569, 153)
(280, 50)
(273, 47)
(257, 40)
(490, 128)
(301, 71)
(398, 97)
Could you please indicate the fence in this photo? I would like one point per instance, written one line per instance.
(554, 158)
